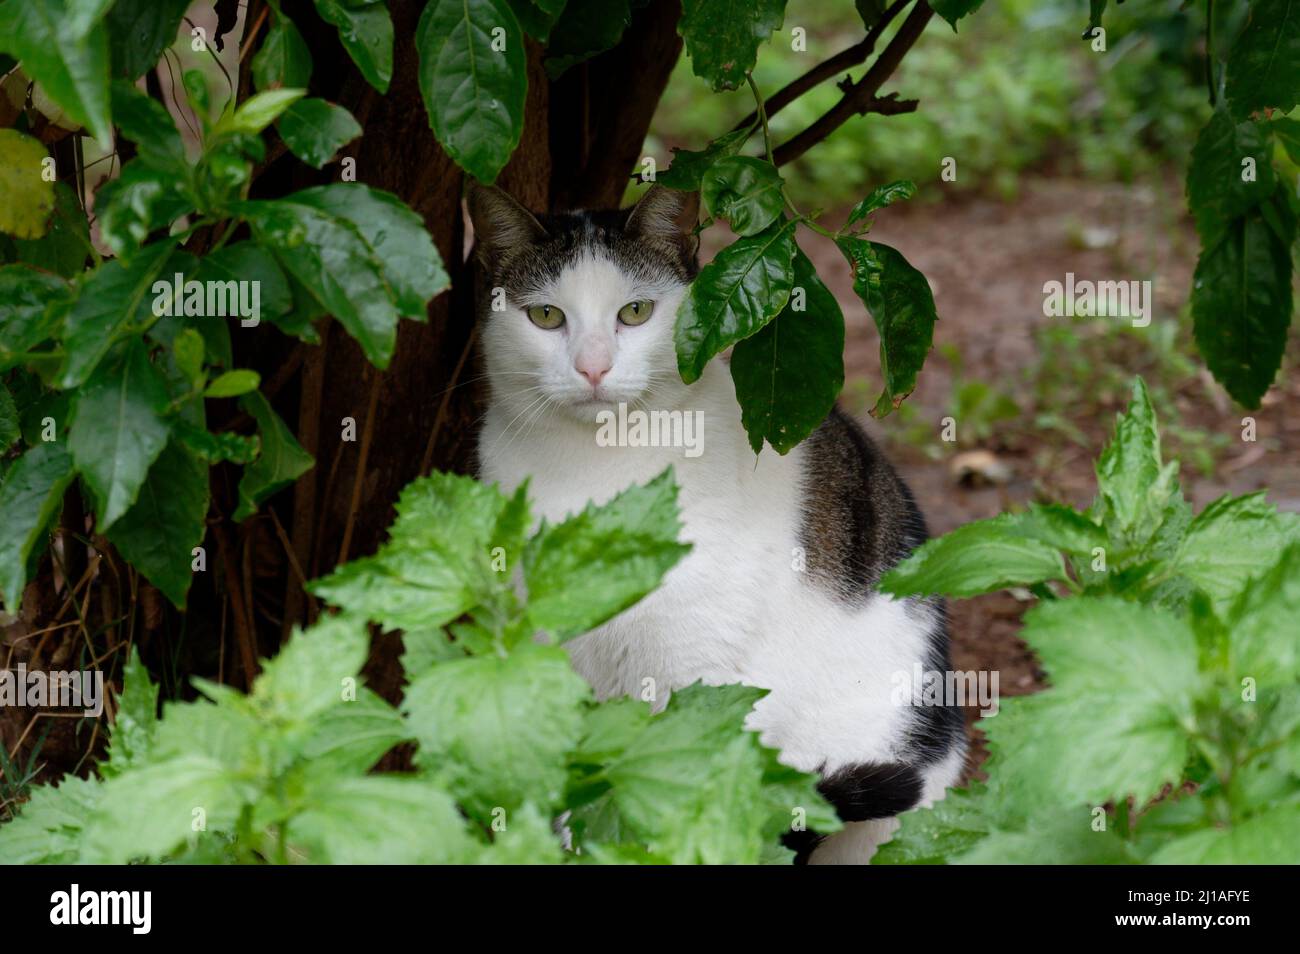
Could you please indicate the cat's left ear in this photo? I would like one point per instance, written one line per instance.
(668, 215)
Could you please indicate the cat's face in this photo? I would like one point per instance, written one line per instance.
(581, 307)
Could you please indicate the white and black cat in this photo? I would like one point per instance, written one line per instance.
(779, 588)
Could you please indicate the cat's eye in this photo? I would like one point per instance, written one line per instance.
(546, 316)
(636, 312)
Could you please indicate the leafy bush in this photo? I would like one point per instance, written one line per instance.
(507, 735)
(1171, 730)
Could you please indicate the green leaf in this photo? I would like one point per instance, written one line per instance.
(688, 168)
(366, 32)
(745, 286)
(1241, 303)
(113, 303)
(63, 249)
(150, 811)
(10, 428)
(247, 261)
(902, 306)
(945, 830)
(281, 462)
(175, 496)
(722, 38)
(880, 197)
(131, 738)
(260, 110)
(118, 430)
(436, 563)
(524, 837)
(1268, 605)
(139, 31)
(147, 123)
(744, 190)
(789, 373)
(1133, 486)
(61, 46)
(283, 59)
(585, 29)
(497, 729)
(233, 384)
(1264, 65)
(599, 562)
(139, 201)
(1217, 193)
(1232, 540)
(954, 10)
(1269, 838)
(31, 306)
(187, 350)
(314, 671)
(315, 130)
(31, 496)
(1124, 680)
(405, 821)
(474, 95)
(26, 195)
(215, 448)
(537, 17)
(1288, 134)
(48, 829)
(976, 558)
(691, 783)
(349, 738)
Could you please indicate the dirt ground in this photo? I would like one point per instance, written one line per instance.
(987, 261)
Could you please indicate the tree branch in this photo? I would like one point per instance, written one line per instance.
(843, 60)
(860, 97)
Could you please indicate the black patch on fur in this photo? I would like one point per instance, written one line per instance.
(524, 268)
(872, 790)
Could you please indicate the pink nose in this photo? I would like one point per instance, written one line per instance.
(593, 371)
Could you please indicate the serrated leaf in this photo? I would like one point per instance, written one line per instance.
(497, 729)
(174, 496)
(131, 738)
(26, 194)
(31, 496)
(349, 738)
(1232, 540)
(1269, 838)
(745, 286)
(48, 829)
(597, 563)
(1218, 188)
(722, 38)
(313, 672)
(789, 373)
(1268, 606)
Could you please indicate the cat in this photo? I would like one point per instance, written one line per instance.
(778, 590)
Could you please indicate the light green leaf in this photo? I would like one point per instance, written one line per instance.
(1269, 838)
(26, 195)
(313, 672)
(131, 738)
(599, 562)
(349, 738)
(48, 829)
(1232, 540)
(233, 384)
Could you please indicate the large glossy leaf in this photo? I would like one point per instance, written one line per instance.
(722, 37)
(315, 130)
(789, 373)
(474, 94)
(744, 190)
(139, 31)
(743, 288)
(366, 32)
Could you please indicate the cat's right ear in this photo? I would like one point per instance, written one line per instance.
(500, 223)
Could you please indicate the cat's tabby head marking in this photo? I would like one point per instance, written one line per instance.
(581, 306)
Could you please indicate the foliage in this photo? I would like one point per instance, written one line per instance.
(508, 737)
(1171, 730)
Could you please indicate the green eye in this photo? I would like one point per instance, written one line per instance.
(636, 312)
(546, 316)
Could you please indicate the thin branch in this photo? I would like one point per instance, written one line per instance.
(860, 97)
(844, 60)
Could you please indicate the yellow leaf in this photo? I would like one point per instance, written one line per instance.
(26, 195)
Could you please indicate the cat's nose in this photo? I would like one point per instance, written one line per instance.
(593, 371)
